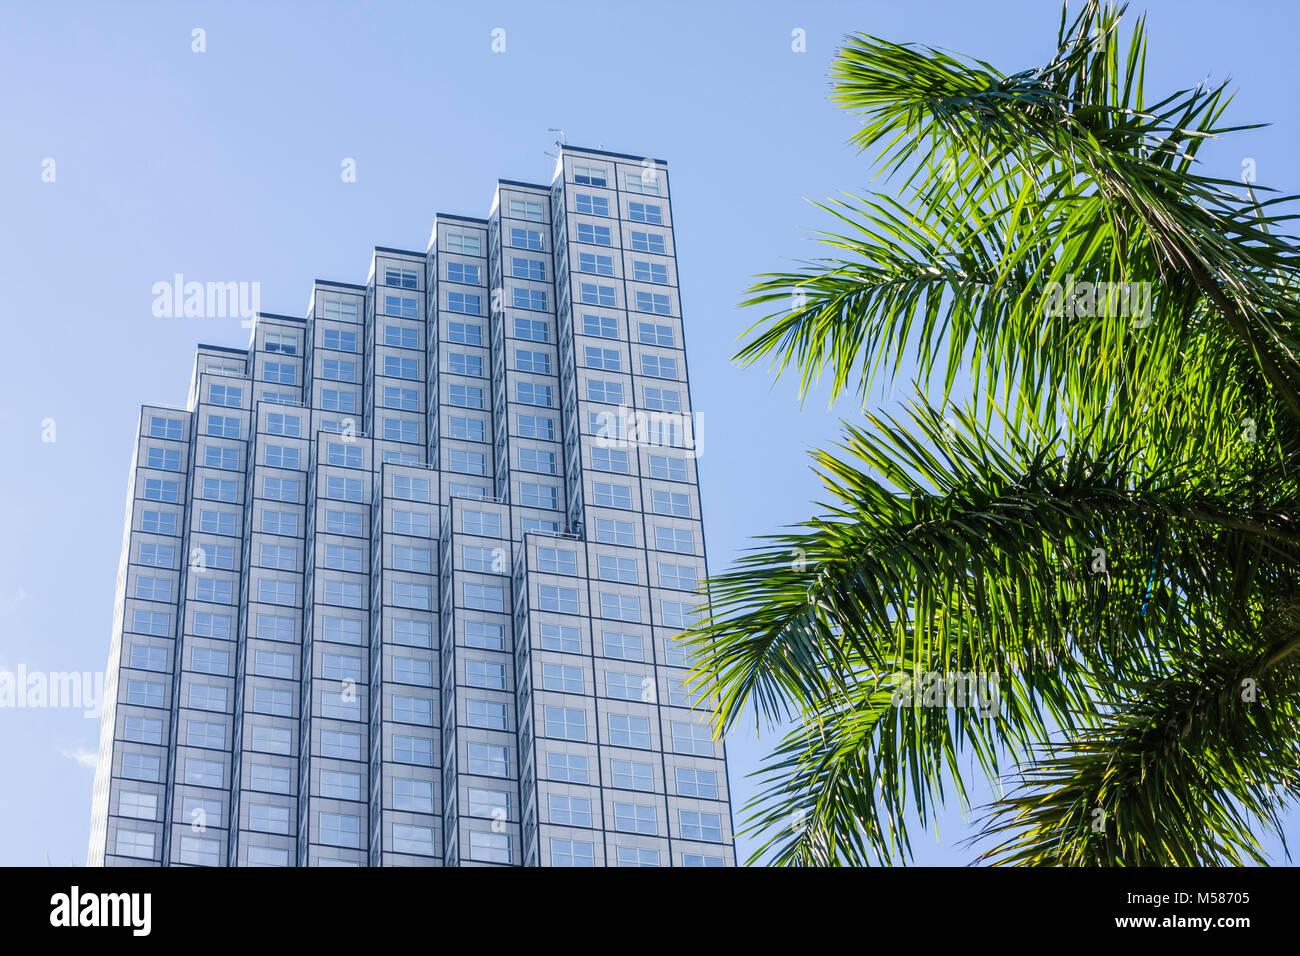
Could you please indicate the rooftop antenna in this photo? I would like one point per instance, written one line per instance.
(564, 139)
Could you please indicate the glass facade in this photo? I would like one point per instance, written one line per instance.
(401, 585)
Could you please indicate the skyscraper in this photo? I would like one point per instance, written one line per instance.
(400, 586)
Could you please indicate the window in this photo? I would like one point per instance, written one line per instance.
(671, 503)
(410, 633)
(467, 462)
(133, 843)
(570, 768)
(595, 235)
(416, 596)
(648, 242)
(540, 462)
(222, 426)
(562, 677)
(531, 393)
(630, 775)
(466, 303)
(412, 710)
(396, 429)
(400, 337)
(227, 395)
(593, 294)
(340, 829)
(145, 693)
(482, 634)
(140, 766)
(610, 531)
(464, 272)
(156, 623)
(167, 428)
(569, 811)
(411, 522)
(589, 175)
(278, 423)
(156, 489)
(529, 209)
(697, 783)
(533, 329)
(486, 714)
(678, 577)
(465, 396)
(526, 239)
(468, 429)
(481, 523)
(401, 278)
(557, 637)
(591, 205)
(157, 522)
(622, 607)
(220, 592)
(599, 390)
(338, 340)
(529, 361)
(626, 647)
(153, 589)
(396, 367)
(610, 459)
(628, 731)
(637, 856)
(595, 264)
(337, 370)
(645, 212)
(524, 268)
(536, 426)
(342, 593)
(464, 333)
(655, 302)
(613, 568)
(650, 272)
(532, 299)
(572, 853)
(280, 372)
(464, 244)
(557, 561)
(694, 739)
(552, 598)
(596, 357)
(658, 366)
(635, 818)
(664, 466)
(488, 760)
(565, 723)
(698, 825)
(485, 674)
(600, 325)
(402, 306)
(335, 309)
(663, 399)
(417, 751)
(142, 806)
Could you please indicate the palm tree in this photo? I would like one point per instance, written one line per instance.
(1090, 505)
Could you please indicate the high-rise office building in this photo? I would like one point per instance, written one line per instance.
(401, 585)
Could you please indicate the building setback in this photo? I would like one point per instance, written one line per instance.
(401, 584)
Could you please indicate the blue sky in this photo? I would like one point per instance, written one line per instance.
(225, 165)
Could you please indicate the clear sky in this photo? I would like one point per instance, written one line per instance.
(225, 166)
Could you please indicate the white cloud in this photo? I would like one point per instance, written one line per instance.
(82, 756)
